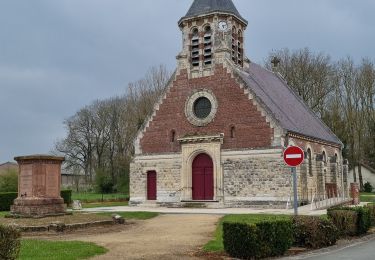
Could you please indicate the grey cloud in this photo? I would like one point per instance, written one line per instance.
(58, 56)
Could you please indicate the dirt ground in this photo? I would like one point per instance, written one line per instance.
(164, 237)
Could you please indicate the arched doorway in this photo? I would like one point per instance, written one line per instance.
(203, 178)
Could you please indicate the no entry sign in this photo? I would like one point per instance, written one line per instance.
(293, 156)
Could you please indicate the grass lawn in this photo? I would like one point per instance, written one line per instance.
(367, 197)
(3, 213)
(104, 204)
(97, 197)
(216, 245)
(133, 215)
(56, 250)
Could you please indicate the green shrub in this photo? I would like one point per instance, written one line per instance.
(314, 232)
(104, 182)
(10, 243)
(259, 240)
(367, 187)
(6, 200)
(363, 221)
(67, 196)
(345, 221)
(9, 181)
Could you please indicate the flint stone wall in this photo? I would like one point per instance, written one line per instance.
(256, 181)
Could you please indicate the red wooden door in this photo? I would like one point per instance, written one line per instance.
(151, 185)
(203, 178)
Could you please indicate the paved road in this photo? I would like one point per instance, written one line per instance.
(358, 251)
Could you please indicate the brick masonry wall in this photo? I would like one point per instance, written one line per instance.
(234, 109)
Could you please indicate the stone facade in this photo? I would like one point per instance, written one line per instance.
(256, 178)
(244, 130)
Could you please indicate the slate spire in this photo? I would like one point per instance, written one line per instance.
(203, 7)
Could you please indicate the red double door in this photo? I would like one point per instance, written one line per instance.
(203, 178)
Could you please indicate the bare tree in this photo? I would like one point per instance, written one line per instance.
(100, 136)
(309, 74)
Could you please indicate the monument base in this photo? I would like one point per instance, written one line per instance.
(38, 207)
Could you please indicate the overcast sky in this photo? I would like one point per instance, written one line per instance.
(57, 56)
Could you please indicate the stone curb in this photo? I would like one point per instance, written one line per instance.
(61, 227)
(326, 250)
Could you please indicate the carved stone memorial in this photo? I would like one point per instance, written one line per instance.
(39, 183)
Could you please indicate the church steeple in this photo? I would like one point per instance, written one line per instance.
(204, 7)
(212, 32)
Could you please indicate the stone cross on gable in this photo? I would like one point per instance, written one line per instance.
(275, 62)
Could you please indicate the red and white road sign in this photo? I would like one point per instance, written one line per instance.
(293, 156)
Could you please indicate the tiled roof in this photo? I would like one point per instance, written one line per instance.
(201, 7)
(285, 105)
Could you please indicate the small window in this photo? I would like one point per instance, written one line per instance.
(232, 132)
(202, 107)
(173, 136)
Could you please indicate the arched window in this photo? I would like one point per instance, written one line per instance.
(207, 45)
(324, 157)
(309, 160)
(173, 136)
(240, 48)
(234, 44)
(195, 48)
(232, 132)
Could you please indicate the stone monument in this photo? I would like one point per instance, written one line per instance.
(39, 183)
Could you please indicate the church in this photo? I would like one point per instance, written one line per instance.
(217, 135)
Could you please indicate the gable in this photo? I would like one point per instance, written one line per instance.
(235, 109)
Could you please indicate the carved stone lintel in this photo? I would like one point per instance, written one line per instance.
(202, 139)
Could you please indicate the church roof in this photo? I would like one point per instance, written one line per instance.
(286, 106)
(202, 7)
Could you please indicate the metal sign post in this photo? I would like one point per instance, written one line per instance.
(293, 156)
(295, 200)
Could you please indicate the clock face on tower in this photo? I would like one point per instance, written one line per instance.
(223, 26)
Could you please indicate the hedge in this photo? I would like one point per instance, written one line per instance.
(7, 199)
(345, 221)
(263, 239)
(314, 232)
(371, 208)
(10, 242)
(363, 221)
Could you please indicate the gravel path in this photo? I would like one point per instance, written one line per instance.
(164, 237)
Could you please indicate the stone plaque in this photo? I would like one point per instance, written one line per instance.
(52, 181)
(26, 180)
